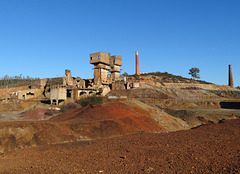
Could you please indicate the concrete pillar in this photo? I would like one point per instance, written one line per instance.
(75, 94)
(137, 64)
(230, 78)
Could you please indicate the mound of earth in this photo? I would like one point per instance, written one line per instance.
(120, 113)
(99, 121)
(18, 135)
(213, 148)
(110, 119)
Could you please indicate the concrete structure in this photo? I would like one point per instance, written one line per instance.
(134, 85)
(137, 64)
(106, 70)
(115, 63)
(55, 90)
(27, 94)
(68, 77)
(102, 63)
(230, 77)
(58, 94)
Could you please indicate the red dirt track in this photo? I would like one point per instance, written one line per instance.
(212, 148)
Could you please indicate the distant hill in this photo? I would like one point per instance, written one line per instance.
(164, 78)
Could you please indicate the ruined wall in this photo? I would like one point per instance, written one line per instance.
(28, 94)
(115, 68)
(43, 83)
(58, 94)
(118, 85)
(114, 76)
(101, 73)
(69, 79)
(80, 83)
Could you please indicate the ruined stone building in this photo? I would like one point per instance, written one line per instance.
(55, 90)
(67, 88)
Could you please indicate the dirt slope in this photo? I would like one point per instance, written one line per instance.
(100, 121)
(213, 148)
(111, 119)
(17, 135)
(121, 113)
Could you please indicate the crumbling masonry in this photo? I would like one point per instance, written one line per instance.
(55, 90)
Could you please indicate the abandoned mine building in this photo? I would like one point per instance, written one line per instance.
(106, 77)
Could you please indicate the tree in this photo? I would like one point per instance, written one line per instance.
(194, 72)
(124, 74)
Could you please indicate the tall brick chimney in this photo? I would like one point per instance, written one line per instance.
(230, 78)
(137, 64)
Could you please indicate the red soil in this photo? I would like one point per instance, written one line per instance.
(37, 114)
(100, 121)
(212, 148)
(126, 117)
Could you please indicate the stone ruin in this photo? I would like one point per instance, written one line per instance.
(106, 77)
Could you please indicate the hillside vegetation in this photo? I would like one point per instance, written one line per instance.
(12, 80)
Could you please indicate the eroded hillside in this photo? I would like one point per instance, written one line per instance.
(154, 107)
(102, 121)
(99, 121)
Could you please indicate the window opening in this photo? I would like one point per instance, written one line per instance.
(69, 93)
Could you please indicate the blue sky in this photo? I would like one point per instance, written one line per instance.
(42, 38)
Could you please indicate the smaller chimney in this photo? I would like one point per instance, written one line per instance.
(137, 64)
(230, 78)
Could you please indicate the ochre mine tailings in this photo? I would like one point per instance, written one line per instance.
(99, 121)
(213, 148)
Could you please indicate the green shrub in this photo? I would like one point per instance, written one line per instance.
(90, 101)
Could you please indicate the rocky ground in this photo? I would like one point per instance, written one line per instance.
(99, 122)
(212, 148)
